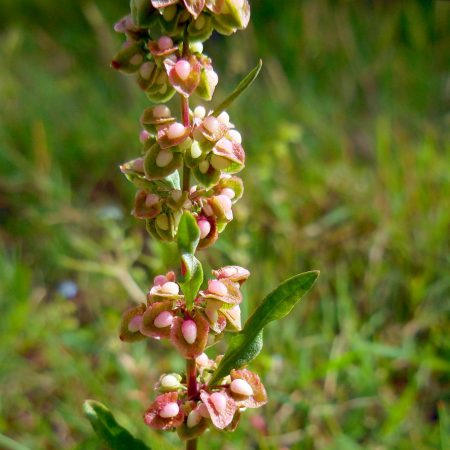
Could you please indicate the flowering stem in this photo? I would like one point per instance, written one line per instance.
(191, 381)
(191, 444)
(186, 123)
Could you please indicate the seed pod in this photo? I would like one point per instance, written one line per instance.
(129, 58)
(151, 325)
(259, 395)
(189, 349)
(160, 414)
(221, 408)
(156, 116)
(143, 13)
(206, 174)
(184, 75)
(201, 29)
(159, 163)
(160, 90)
(130, 319)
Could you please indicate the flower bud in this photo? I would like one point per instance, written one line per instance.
(169, 410)
(196, 151)
(200, 112)
(163, 320)
(170, 381)
(241, 387)
(202, 360)
(189, 331)
(228, 192)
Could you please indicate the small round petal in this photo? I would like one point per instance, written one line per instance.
(220, 163)
(163, 320)
(189, 331)
(196, 151)
(213, 78)
(224, 202)
(183, 69)
(241, 387)
(170, 288)
(202, 360)
(203, 166)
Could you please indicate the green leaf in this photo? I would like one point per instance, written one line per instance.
(240, 88)
(193, 278)
(106, 427)
(188, 237)
(188, 234)
(246, 345)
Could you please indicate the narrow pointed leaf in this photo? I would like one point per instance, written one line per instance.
(246, 345)
(240, 88)
(107, 428)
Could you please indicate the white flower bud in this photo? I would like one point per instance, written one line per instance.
(189, 331)
(241, 387)
(169, 410)
(202, 360)
(200, 112)
(169, 381)
(228, 192)
(205, 228)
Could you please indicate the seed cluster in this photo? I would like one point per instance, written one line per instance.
(164, 51)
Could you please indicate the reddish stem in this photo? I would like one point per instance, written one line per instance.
(191, 378)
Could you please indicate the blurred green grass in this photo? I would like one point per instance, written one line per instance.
(347, 141)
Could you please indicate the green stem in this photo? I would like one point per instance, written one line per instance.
(191, 444)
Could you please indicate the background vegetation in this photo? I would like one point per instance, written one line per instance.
(347, 143)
